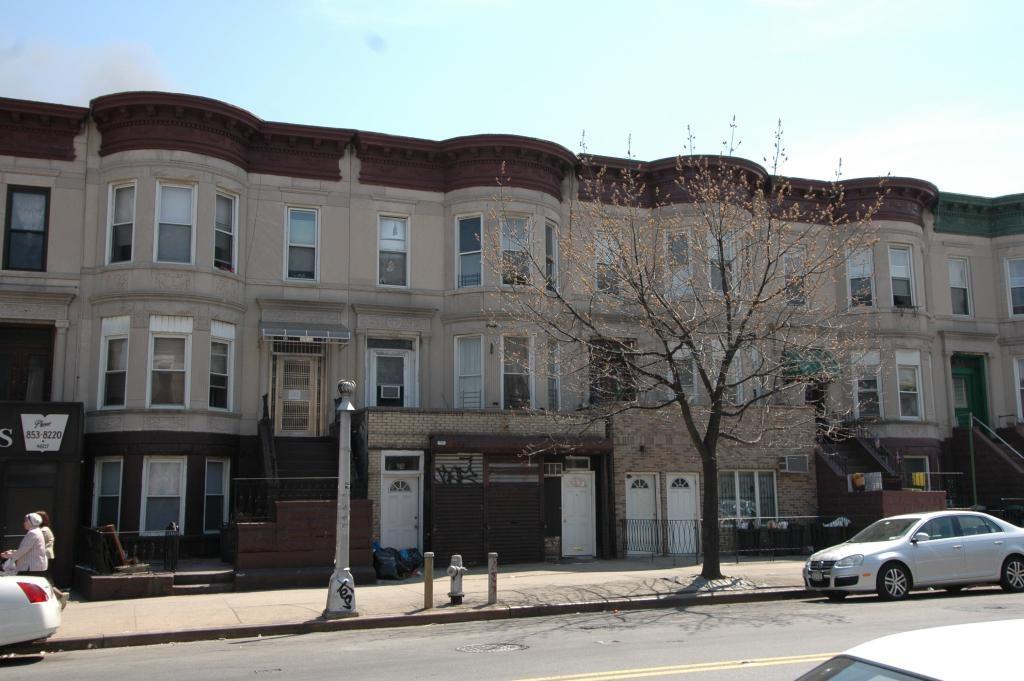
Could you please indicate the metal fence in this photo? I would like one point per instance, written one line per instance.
(749, 537)
(107, 550)
(256, 498)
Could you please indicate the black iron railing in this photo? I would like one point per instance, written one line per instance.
(256, 498)
(746, 537)
(109, 550)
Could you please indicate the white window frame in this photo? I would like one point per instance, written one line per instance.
(530, 368)
(735, 473)
(225, 486)
(412, 371)
(685, 273)
(554, 374)
(459, 402)
(796, 293)
(551, 269)
(729, 252)
(111, 193)
(869, 264)
(1010, 287)
(604, 256)
(146, 462)
(1018, 374)
(408, 247)
(904, 248)
(97, 480)
(910, 359)
(169, 327)
(871, 358)
(927, 470)
(288, 242)
(113, 328)
(223, 332)
(156, 223)
(526, 248)
(459, 253)
(681, 355)
(234, 230)
(965, 261)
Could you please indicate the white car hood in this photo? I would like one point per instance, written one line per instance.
(840, 551)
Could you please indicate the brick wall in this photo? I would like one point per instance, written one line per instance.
(410, 429)
(649, 441)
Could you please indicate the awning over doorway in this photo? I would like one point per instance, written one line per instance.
(809, 363)
(325, 333)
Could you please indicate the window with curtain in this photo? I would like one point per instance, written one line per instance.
(469, 366)
(515, 251)
(302, 240)
(224, 233)
(27, 224)
(860, 273)
(164, 489)
(174, 230)
(167, 372)
(393, 249)
(122, 222)
(901, 273)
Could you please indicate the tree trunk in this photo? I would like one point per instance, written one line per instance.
(712, 568)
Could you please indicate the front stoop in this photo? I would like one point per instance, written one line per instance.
(206, 582)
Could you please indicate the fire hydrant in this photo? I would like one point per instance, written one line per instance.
(455, 571)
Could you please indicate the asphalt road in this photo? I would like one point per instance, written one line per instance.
(762, 641)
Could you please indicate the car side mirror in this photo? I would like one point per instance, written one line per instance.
(920, 536)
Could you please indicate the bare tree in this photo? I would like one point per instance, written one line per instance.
(709, 289)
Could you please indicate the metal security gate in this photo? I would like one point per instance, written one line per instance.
(483, 504)
(297, 384)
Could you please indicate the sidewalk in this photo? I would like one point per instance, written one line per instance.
(523, 590)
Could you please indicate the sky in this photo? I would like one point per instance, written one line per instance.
(932, 89)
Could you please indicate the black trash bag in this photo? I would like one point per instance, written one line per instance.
(410, 561)
(385, 564)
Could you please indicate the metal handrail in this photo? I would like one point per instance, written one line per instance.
(995, 436)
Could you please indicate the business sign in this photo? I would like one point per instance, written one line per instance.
(45, 428)
(43, 432)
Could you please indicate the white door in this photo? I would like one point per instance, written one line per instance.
(400, 512)
(578, 528)
(682, 501)
(642, 532)
(297, 395)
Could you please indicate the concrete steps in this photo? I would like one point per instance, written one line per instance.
(203, 582)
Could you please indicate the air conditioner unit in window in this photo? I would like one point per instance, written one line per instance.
(389, 392)
(793, 463)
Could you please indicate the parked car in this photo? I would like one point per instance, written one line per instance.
(936, 654)
(28, 609)
(947, 549)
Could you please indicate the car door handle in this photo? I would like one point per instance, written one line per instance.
(998, 543)
(958, 546)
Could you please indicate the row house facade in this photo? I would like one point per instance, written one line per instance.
(195, 278)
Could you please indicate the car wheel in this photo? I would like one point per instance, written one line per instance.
(1012, 576)
(893, 582)
(836, 596)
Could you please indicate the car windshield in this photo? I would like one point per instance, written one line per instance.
(884, 530)
(844, 668)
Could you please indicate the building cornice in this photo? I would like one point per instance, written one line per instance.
(978, 215)
(39, 130)
(162, 120)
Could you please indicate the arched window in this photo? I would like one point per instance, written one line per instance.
(640, 484)
(680, 483)
(400, 486)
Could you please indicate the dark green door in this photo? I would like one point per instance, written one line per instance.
(969, 393)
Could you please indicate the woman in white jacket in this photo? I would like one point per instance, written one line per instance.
(30, 556)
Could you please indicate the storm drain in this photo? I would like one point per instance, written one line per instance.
(491, 648)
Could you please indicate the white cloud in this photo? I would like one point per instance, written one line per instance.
(74, 74)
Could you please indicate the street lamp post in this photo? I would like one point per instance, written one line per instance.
(341, 591)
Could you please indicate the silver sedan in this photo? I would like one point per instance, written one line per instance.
(946, 549)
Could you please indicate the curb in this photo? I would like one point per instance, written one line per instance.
(482, 613)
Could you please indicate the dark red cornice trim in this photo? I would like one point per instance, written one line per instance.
(39, 130)
(902, 199)
(161, 120)
(472, 161)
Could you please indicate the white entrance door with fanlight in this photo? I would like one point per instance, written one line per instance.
(579, 532)
(683, 530)
(400, 499)
(642, 531)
